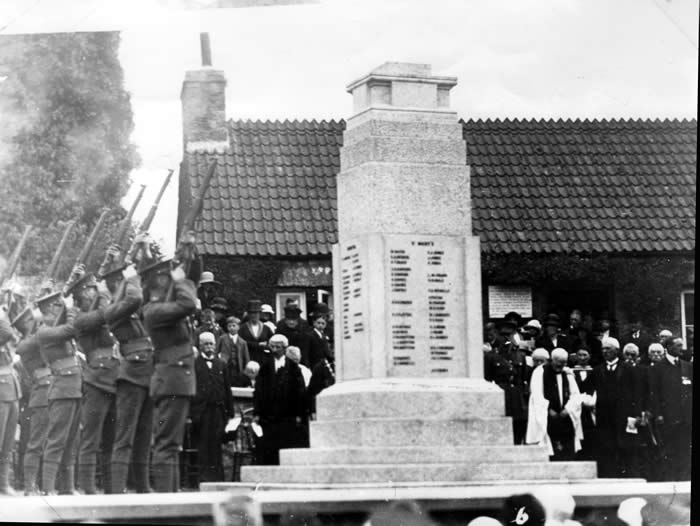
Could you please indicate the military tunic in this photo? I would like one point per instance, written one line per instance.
(173, 382)
(40, 374)
(132, 441)
(10, 394)
(97, 410)
(65, 392)
(506, 367)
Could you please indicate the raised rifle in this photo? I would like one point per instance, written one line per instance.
(51, 272)
(186, 250)
(135, 248)
(13, 263)
(87, 248)
(120, 238)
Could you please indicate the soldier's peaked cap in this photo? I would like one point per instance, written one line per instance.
(119, 267)
(23, 318)
(48, 298)
(156, 267)
(88, 280)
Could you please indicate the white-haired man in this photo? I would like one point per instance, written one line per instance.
(279, 402)
(619, 405)
(554, 415)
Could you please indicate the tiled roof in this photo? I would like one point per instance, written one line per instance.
(537, 186)
(583, 186)
(274, 192)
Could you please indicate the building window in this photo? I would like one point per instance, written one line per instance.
(687, 317)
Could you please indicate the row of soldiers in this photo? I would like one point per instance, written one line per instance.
(132, 330)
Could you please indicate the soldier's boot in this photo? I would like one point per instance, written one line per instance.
(49, 472)
(31, 470)
(163, 478)
(67, 478)
(176, 477)
(119, 471)
(141, 481)
(106, 477)
(5, 488)
(86, 478)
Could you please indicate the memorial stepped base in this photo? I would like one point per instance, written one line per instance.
(414, 430)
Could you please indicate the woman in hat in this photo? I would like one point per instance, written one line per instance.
(255, 333)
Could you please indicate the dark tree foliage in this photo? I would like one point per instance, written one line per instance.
(65, 152)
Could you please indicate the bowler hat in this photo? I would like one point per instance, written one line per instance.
(506, 323)
(253, 306)
(219, 303)
(291, 312)
(321, 308)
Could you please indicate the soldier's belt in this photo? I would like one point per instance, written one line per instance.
(64, 363)
(142, 345)
(103, 353)
(5, 370)
(41, 373)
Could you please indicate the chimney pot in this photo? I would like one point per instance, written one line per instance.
(206, 49)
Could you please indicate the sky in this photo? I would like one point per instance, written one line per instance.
(513, 59)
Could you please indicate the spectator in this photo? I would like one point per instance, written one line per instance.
(575, 320)
(278, 401)
(220, 307)
(639, 336)
(584, 338)
(677, 349)
(532, 331)
(251, 371)
(555, 408)
(491, 335)
(296, 330)
(233, 350)
(294, 354)
(207, 324)
(211, 408)
(293, 304)
(618, 397)
(267, 315)
(657, 353)
(319, 344)
(539, 356)
(207, 289)
(664, 336)
(505, 366)
(256, 334)
(552, 338)
(584, 380)
(322, 377)
(322, 309)
(671, 404)
(605, 328)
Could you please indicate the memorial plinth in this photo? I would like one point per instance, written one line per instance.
(411, 404)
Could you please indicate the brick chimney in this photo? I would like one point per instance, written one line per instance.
(203, 99)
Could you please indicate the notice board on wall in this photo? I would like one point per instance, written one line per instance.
(506, 298)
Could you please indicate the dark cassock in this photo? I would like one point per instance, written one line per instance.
(279, 401)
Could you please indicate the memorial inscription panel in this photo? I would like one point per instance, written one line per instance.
(424, 294)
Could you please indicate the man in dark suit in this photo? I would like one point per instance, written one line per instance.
(279, 402)
(173, 382)
(640, 337)
(671, 406)
(233, 351)
(211, 408)
(552, 337)
(319, 346)
(618, 398)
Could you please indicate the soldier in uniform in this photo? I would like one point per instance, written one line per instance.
(9, 403)
(40, 374)
(99, 383)
(65, 391)
(134, 406)
(505, 365)
(173, 382)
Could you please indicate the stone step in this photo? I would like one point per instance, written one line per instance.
(378, 432)
(412, 455)
(411, 398)
(444, 472)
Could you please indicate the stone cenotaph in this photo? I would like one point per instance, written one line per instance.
(410, 404)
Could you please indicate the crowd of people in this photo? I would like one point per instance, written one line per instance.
(624, 401)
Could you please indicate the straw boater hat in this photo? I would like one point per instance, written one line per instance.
(208, 277)
(267, 309)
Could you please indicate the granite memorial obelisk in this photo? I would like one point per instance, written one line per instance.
(411, 404)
